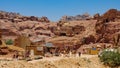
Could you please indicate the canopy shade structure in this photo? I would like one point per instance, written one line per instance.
(48, 44)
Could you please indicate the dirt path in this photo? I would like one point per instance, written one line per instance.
(85, 61)
(59, 58)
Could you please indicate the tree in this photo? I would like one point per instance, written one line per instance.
(9, 42)
(110, 58)
(22, 41)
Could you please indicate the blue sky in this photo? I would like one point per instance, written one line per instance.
(55, 9)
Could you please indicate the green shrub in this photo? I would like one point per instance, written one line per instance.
(110, 58)
(9, 42)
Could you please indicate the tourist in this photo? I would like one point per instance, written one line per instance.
(16, 55)
(79, 54)
(27, 54)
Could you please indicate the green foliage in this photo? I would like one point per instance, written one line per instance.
(110, 58)
(22, 41)
(9, 42)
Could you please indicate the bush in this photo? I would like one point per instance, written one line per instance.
(110, 58)
(9, 42)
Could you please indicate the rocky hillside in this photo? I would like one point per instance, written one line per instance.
(81, 29)
(100, 29)
(14, 24)
(85, 16)
(108, 26)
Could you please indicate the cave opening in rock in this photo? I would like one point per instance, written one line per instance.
(62, 34)
(77, 33)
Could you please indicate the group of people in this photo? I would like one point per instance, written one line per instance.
(16, 55)
(70, 54)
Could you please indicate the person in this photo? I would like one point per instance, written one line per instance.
(16, 55)
(79, 54)
(13, 56)
(70, 54)
(27, 53)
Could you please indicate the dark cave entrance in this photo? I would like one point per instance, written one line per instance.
(62, 34)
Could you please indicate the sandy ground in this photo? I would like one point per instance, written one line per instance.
(85, 61)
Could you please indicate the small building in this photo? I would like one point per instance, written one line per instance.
(49, 47)
(35, 49)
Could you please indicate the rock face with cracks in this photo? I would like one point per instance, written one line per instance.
(14, 24)
(108, 25)
(99, 29)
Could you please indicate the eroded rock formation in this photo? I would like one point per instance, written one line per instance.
(108, 25)
(16, 17)
(85, 16)
(14, 24)
(100, 28)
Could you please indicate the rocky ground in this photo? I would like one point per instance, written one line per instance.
(85, 61)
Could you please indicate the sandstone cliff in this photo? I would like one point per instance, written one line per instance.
(14, 24)
(99, 29)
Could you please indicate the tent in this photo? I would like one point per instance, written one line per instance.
(48, 44)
